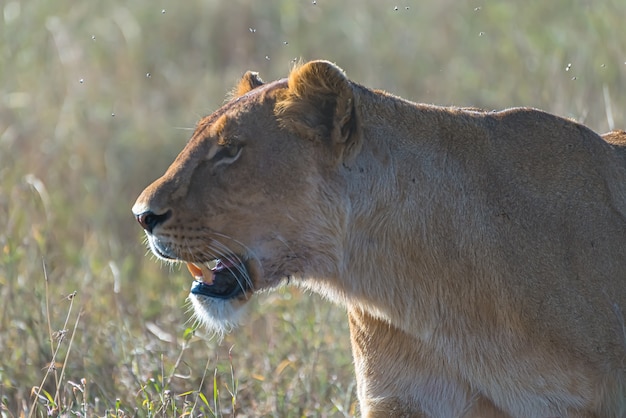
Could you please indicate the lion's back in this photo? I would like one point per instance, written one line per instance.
(554, 195)
(555, 161)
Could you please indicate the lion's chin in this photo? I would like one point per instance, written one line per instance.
(219, 293)
(218, 315)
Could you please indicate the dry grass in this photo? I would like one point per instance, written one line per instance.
(98, 97)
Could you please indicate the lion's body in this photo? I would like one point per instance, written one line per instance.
(481, 255)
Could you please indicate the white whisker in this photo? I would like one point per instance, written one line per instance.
(182, 128)
(239, 266)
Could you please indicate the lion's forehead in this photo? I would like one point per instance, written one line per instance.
(242, 103)
(218, 127)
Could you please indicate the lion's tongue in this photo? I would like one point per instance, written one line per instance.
(201, 273)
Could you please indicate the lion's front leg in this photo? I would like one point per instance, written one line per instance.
(400, 376)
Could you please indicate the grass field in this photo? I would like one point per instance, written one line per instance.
(96, 100)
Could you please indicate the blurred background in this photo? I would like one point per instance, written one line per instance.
(98, 97)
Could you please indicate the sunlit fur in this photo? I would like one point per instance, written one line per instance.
(480, 255)
(617, 137)
(218, 315)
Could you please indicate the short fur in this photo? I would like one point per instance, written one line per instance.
(617, 137)
(481, 256)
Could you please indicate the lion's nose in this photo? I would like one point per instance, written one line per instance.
(149, 220)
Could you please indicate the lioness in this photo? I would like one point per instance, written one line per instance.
(481, 256)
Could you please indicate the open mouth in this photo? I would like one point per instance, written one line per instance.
(222, 279)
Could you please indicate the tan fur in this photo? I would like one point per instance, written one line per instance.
(615, 137)
(481, 256)
(249, 81)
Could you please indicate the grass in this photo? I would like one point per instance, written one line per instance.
(97, 98)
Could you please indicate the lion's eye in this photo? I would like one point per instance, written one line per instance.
(225, 154)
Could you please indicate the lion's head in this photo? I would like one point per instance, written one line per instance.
(248, 202)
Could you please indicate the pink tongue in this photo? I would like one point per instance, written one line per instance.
(223, 265)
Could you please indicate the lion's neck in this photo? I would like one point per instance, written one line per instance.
(407, 200)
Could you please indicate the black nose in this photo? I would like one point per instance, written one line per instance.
(149, 220)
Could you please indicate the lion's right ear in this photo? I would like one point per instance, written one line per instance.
(318, 103)
(248, 82)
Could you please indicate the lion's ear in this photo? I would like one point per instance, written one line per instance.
(318, 102)
(248, 82)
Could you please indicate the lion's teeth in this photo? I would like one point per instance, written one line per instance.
(201, 272)
(196, 272)
(207, 274)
